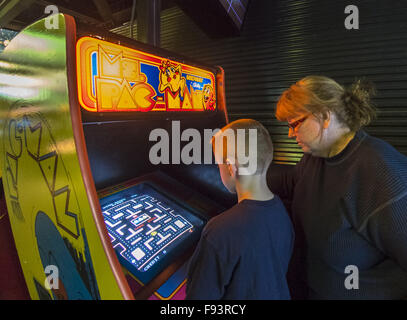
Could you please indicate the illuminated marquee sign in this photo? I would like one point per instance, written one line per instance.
(114, 78)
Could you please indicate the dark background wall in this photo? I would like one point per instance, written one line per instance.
(285, 40)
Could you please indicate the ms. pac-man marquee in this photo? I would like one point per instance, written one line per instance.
(114, 78)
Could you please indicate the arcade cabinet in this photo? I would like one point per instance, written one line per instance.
(105, 186)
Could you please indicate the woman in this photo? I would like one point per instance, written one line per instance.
(348, 193)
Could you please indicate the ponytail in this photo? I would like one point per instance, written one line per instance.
(358, 110)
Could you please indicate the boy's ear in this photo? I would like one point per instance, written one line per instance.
(232, 168)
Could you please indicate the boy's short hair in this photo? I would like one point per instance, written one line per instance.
(263, 145)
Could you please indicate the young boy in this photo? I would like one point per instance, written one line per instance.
(244, 252)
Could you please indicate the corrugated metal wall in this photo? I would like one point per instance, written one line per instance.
(283, 41)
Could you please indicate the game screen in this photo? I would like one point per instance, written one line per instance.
(148, 230)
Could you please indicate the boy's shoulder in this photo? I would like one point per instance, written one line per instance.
(222, 223)
(233, 223)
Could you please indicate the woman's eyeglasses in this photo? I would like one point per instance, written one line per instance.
(295, 124)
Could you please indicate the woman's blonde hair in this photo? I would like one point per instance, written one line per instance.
(319, 94)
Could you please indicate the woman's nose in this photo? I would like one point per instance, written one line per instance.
(291, 133)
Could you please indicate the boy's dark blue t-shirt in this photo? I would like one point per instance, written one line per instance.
(243, 254)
